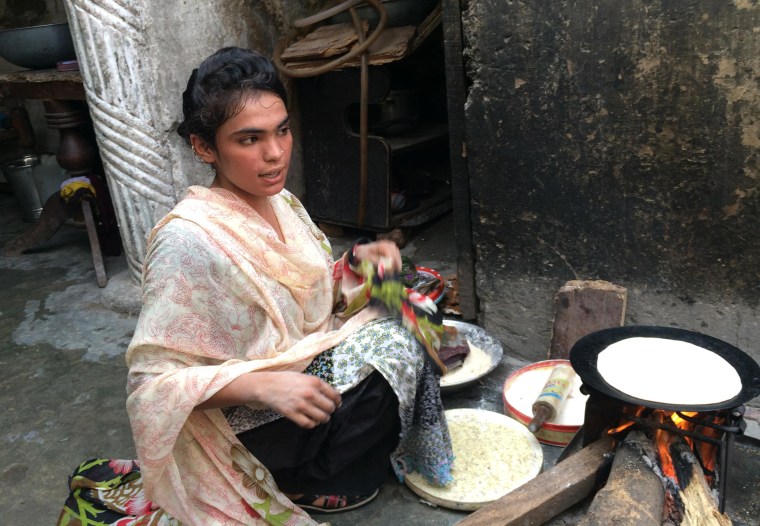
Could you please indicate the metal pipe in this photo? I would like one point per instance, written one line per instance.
(363, 124)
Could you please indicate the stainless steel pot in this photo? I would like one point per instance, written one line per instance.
(33, 179)
(20, 176)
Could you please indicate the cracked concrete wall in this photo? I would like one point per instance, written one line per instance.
(615, 140)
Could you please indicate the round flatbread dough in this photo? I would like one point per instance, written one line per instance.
(668, 371)
(494, 454)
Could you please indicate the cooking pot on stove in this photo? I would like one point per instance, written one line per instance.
(585, 353)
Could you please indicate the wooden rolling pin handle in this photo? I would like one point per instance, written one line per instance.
(541, 414)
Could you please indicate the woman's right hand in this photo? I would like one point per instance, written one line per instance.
(306, 400)
(381, 250)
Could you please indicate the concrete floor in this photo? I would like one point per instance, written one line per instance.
(62, 380)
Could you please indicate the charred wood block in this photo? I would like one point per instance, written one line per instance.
(699, 505)
(583, 307)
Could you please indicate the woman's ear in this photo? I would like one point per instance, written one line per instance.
(202, 150)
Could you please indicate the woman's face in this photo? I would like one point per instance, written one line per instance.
(253, 149)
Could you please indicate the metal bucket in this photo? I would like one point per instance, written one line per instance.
(20, 176)
(33, 179)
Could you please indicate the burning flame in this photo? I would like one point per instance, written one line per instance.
(680, 422)
(628, 423)
(663, 438)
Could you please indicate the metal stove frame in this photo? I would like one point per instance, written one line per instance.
(604, 412)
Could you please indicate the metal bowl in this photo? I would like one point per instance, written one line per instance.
(37, 47)
(480, 338)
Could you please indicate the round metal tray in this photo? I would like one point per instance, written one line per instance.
(481, 339)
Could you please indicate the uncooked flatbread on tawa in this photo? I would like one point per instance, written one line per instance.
(668, 371)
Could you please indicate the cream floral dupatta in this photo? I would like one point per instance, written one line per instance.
(222, 296)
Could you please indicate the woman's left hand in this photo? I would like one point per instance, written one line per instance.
(378, 251)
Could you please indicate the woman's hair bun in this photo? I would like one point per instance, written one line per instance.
(219, 86)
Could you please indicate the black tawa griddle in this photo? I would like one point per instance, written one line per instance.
(584, 354)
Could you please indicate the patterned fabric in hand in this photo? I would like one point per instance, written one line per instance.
(418, 313)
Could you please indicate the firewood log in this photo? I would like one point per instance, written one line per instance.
(699, 505)
(550, 493)
(634, 494)
(583, 307)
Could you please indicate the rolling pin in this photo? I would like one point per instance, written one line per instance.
(553, 395)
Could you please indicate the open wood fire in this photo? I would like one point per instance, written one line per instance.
(686, 453)
(636, 462)
(637, 465)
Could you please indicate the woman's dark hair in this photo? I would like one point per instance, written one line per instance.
(219, 87)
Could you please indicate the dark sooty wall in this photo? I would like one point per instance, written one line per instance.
(616, 140)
